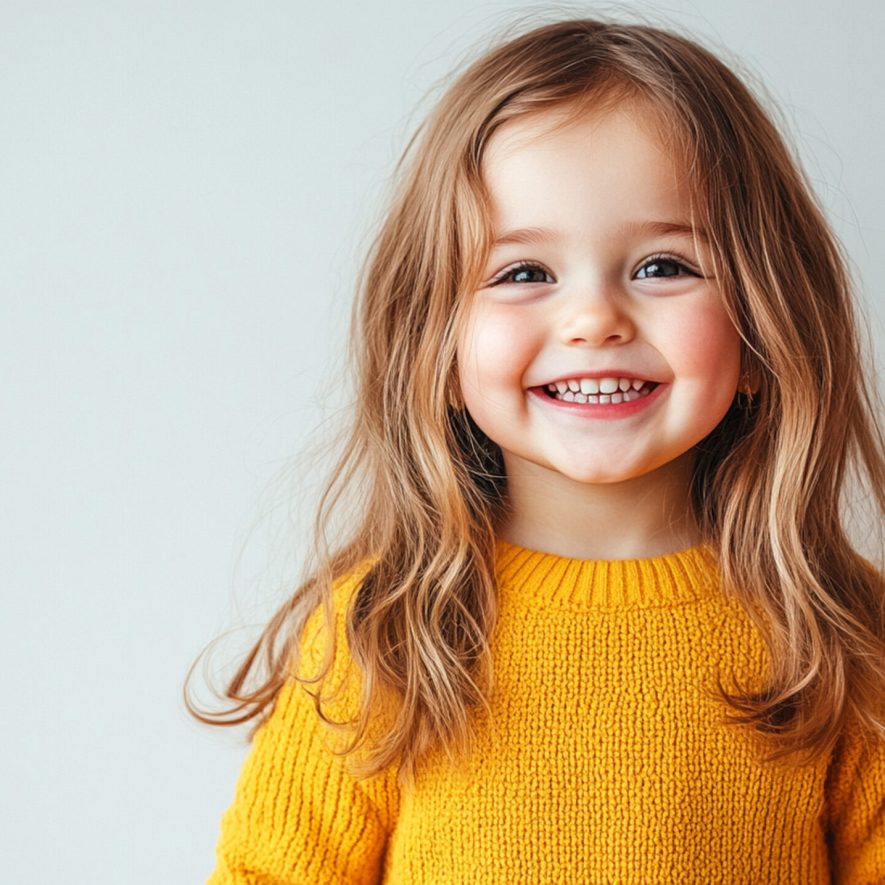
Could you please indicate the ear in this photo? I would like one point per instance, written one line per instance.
(453, 393)
(755, 380)
(750, 382)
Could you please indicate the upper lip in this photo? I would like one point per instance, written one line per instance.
(602, 373)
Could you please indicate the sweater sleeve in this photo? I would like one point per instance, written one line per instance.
(298, 816)
(856, 809)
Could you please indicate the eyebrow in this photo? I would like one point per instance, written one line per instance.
(526, 236)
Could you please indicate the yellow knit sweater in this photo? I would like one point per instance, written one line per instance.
(603, 761)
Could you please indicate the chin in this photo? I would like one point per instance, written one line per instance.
(596, 477)
(592, 476)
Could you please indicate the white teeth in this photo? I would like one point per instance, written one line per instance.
(608, 385)
(603, 390)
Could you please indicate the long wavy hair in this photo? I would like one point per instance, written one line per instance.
(427, 488)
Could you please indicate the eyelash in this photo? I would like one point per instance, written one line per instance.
(652, 259)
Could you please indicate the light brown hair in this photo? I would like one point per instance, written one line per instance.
(770, 479)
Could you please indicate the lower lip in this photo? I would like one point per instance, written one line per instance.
(600, 410)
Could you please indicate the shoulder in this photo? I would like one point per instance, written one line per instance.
(321, 638)
(855, 802)
(315, 635)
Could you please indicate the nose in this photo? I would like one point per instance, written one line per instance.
(595, 318)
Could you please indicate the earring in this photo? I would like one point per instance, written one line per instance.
(453, 397)
(746, 387)
(453, 389)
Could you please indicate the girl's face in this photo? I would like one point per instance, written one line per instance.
(605, 291)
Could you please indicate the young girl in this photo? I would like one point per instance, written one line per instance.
(598, 618)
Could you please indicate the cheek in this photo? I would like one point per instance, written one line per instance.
(496, 348)
(706, 345)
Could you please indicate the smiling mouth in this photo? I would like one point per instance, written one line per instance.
(601, 398)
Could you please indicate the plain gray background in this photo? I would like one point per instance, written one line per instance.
(185, 191)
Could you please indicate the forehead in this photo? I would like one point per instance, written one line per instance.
(633, 114)
(556, 158)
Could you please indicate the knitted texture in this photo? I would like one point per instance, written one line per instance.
(602, 761)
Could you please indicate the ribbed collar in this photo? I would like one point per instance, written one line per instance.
(543, 580)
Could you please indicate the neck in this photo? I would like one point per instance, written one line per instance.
(644, 516)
